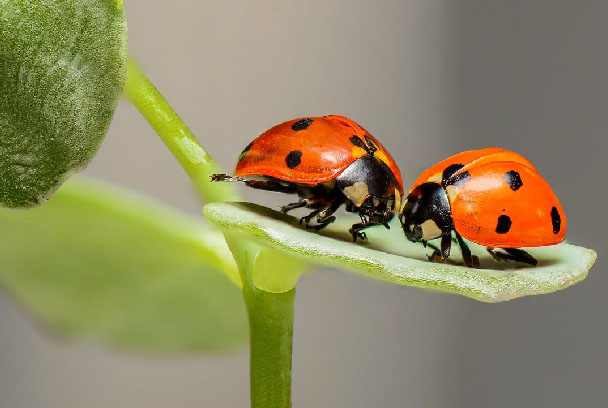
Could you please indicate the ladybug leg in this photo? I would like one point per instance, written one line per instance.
(286, 208)
(369, 219)
(324, 215)
(522, 256)
(497, 257)
(323, 220)
(470, 260)
(513, 254)
(306, 219)
(356, 231)
(446, 246)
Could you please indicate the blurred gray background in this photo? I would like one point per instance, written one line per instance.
(429, 78)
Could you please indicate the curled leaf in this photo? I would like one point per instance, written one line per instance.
(388, 256)
(62, 70)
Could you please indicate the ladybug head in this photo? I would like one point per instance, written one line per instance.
(426, 214)
(366, 178)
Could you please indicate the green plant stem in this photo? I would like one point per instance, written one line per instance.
(175, 134)
(270, 329)
(270, 314)
(271, 333)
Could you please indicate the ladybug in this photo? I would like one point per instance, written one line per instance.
(327, 161)
(493, 197)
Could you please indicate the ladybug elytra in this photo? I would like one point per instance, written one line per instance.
(327, 161)
(492, 197)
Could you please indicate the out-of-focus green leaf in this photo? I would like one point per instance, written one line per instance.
(62, 70)
(105, 265)
(388, 256)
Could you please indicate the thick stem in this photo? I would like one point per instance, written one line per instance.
(270, 314)
(270, 327)
(175, 134)
(271, 333)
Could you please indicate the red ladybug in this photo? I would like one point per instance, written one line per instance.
(493, 197)
(328, 161)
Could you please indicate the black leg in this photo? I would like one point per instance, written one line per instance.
(513, 254)
(446, 246)
(471, 261)
(369, 219)
(306, 219)
(322, 223)
(324, 215)
(522, 256)
(497, 257)
(286, 208)
(356, 230)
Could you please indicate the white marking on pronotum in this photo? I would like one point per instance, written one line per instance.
(430, 230)
(357, 193)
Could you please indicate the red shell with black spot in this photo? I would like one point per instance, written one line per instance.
(309, 151)
(500, 199)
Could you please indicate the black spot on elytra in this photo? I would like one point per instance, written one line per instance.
(356, 140)
(449, 172)
(302, 124)
(513, 180)
(293, 159)
(556, 220)
(504, 224)
(244, 152)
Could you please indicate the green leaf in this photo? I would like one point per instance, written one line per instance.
(62, 70)
(105, 265)
(388, 256)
